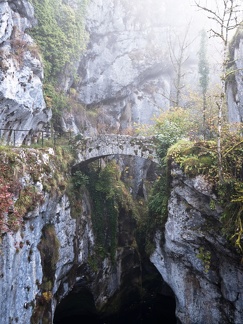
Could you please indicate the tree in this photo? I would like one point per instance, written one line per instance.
(178, 57)
(203, 70)
(226, 17)
(171, 126)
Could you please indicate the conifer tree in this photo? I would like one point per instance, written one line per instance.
(203, 70)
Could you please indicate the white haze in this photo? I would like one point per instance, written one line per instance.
(181, 15)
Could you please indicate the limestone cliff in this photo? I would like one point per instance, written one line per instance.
(21, 74)
(50, 253)
(204, 272)
(125, 71)
(124, 76)
(234, 81)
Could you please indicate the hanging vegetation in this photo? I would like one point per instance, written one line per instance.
(60, 34)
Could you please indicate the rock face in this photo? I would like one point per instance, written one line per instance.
(21, 74)
(193, 258)
(52, 254)
(125, 71)
(235, 83)
(125, 75)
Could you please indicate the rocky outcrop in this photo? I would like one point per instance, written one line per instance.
(125, 75)
(125, 72)
(204, 272)
(52, 253)
(21, 74)
(234, 81)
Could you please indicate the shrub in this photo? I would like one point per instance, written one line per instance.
(79, 179)
(170, 127)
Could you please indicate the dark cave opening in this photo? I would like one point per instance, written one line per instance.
(155, 305)
(153, 310)
(76, 307)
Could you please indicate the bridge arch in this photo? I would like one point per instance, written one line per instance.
(91, 149)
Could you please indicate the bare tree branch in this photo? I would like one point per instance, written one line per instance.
(227, 19)
(178, 57)
(208, 10)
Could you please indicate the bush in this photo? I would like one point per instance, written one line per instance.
(79, 179)
(170, 127)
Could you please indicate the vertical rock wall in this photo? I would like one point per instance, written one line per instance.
(22, 105)
(235, 80)
(125, 71)
(204, 272)
(52, 253)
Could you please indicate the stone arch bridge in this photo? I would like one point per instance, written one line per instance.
(91, 149)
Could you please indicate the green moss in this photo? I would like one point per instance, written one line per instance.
(109, 195)
(195, 157)
(201, 158)
(61, 38)
(60, 34)
(28, 200)
(17, 162)
(158, 199)
(205, 257)
(49, 251)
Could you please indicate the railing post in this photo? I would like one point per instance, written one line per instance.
(42, 138)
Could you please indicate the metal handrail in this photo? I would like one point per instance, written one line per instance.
(54, 135)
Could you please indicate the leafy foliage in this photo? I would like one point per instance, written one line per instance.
(60, 34)
(79, 179)
(195, 157)
(171, 126)
(158, 199)
(104, 186)
(109, 196)
(203, 112)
